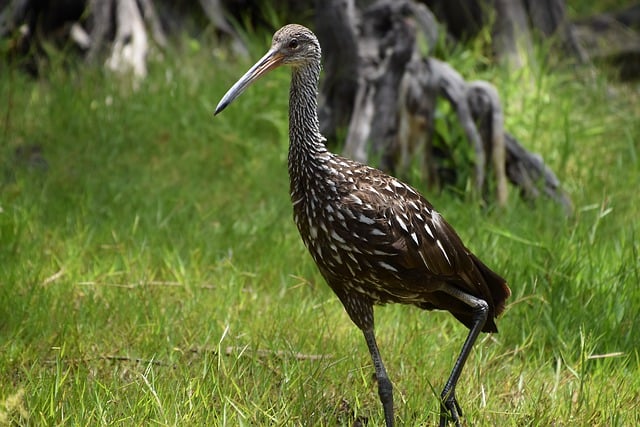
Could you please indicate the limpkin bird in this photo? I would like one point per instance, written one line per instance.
(375, 239)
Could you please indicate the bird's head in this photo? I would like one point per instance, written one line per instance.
(292, 45)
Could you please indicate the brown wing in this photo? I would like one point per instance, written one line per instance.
(397, 221)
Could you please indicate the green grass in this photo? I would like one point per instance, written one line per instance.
(153, 274)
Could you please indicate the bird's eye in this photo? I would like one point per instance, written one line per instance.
(293, 44)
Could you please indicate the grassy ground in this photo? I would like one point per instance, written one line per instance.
(152, 274)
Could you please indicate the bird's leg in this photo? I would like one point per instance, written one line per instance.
(448, 402)
(360, 310)
(385, 389)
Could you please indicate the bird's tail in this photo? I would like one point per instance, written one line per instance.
(497, 286)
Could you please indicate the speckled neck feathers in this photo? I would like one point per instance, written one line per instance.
(306, 144)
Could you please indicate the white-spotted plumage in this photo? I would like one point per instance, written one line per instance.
(375, 239)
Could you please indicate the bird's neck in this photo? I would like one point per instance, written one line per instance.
(306, 144)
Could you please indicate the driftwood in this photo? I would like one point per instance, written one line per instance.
(131, 46)
(529, 173)
(123, 31)
(393, 108)
(478, 110)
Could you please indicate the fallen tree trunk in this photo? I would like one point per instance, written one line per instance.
(529, 173)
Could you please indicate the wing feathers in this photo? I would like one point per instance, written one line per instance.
(421, 247)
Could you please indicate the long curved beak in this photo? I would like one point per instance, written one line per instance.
(268, 62)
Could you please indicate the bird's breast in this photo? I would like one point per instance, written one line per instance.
(345, 244)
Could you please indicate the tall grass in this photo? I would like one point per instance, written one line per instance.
(152, 274)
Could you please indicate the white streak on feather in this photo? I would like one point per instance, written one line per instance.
(428, 229)
(414, 236)
(423, 259)
(356, 199)
(387, 266)
(402, 224)
(353, 273)
(379, 252)
(377, 232)
(443, 251)
(365, 219)
(337, 237)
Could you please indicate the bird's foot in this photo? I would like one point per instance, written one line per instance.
(449, 409)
